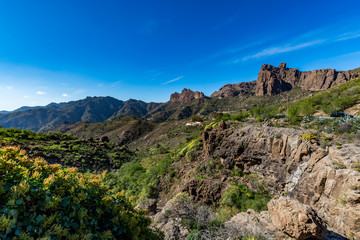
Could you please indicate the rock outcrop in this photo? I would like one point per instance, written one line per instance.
(274, 80)
(295, 219)
(233, 90)
(326, 179)
(331, 185)
(186, 96)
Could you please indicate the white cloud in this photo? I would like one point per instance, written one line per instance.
(65, 95)
(26, 96)
(279, 49)
(41, 93)
(173, 80)
(9, 87)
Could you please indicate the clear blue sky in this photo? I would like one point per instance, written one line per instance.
(56, 51)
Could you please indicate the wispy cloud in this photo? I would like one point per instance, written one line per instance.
(172, 80)
(65, 95)
(325, 35)
(26, 96)
(234, 50)
(279, 49)
(41, 93)
(349, 35)
(9, 87)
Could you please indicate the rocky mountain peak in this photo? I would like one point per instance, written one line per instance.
(274, 80)
(186, 95)
(232, 90)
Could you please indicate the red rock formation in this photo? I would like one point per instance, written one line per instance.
(186, 96)
(274, 80)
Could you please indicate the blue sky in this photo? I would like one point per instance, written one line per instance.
(56, 51)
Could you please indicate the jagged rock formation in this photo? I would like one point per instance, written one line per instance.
(274, 80)
(186, 95)
(232, 90)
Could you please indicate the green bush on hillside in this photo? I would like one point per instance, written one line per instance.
(242, 198)
(39, 200)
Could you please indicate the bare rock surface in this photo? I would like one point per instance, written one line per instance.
(295, 219)
(331, 185)
(274, 80)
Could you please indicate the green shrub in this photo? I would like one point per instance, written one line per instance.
(39, 200)
(240, 116)
(243, 198)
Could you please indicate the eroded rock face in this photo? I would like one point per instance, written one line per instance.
(186, 96)
(268, 151)
(232, 90)
(295, 219)
(274, 80)
(325, 179)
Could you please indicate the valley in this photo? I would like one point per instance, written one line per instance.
(262, 165)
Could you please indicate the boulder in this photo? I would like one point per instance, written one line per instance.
(296, 219)
(251, 223)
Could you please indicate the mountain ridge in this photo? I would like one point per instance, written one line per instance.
(271, 81)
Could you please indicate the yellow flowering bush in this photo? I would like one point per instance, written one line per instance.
(308, 136)
(40, 200)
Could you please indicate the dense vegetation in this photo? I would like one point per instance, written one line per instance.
(50, 202)
(241, 198)
(68, 150)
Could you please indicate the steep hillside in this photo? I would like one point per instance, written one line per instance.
(120, 130)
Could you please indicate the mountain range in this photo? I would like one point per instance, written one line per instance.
(271, 81)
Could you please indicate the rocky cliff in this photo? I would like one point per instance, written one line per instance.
(320, 186)
(274, 80)
(186, 95)
(232, 90)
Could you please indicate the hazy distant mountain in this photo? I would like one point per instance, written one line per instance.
(24, 108)
(91, 109)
